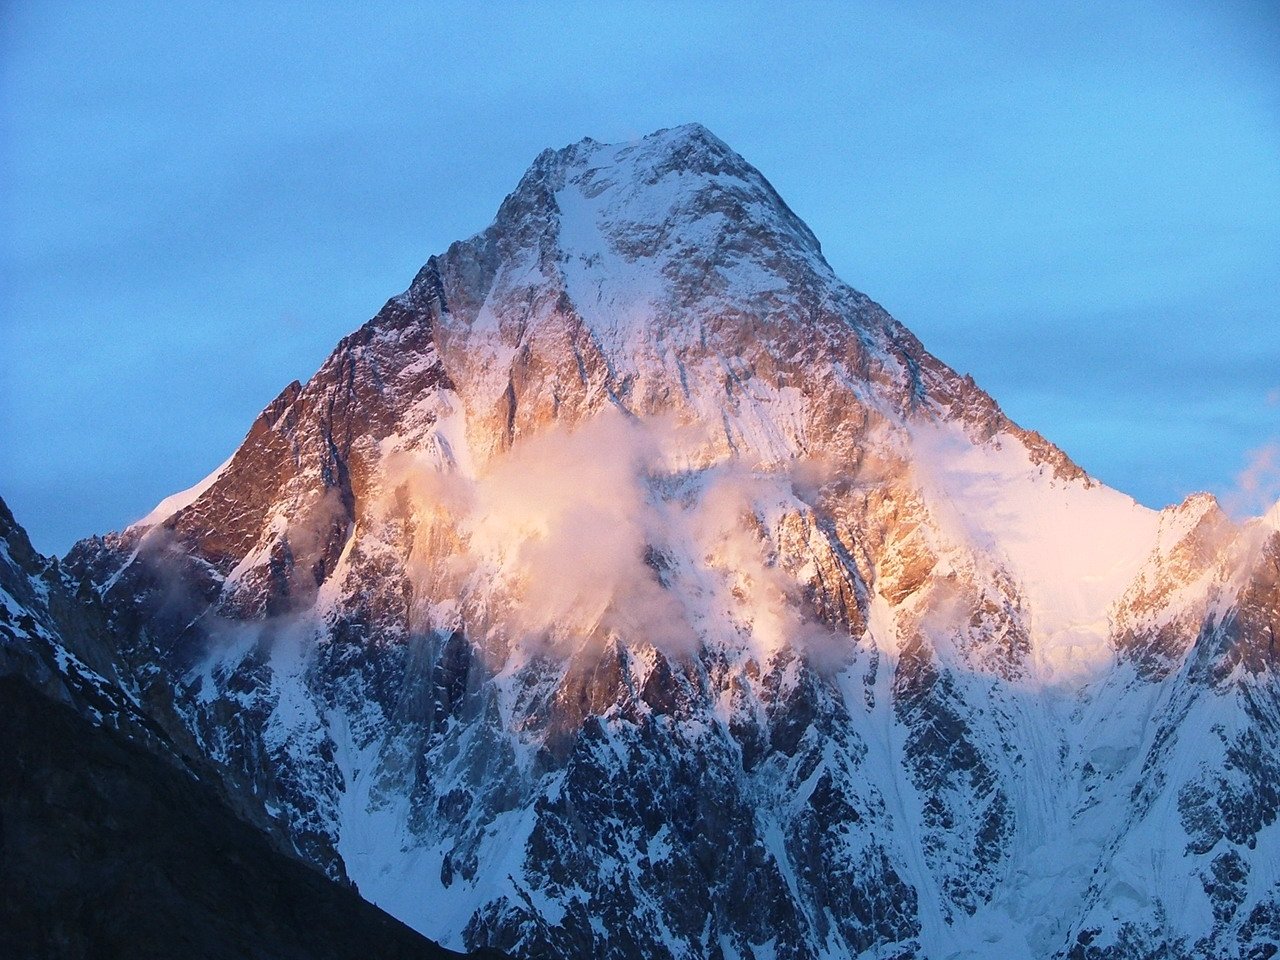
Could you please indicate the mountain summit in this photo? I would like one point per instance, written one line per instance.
(631, 586)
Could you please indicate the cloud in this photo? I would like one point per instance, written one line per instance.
(1257, 486)
(731, 537)
(551, 538)
(616, 528)
(568, 517)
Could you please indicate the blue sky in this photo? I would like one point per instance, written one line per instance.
(1078, 204)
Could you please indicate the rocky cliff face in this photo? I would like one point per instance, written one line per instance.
(631, 586)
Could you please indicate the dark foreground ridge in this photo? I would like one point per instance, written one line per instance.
(108, 851)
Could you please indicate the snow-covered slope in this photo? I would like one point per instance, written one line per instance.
(631, 586)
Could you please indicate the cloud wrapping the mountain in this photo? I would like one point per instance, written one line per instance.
(580, 526)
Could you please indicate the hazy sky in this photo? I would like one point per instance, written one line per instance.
(1078, 205)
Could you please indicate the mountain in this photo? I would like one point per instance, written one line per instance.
(115, 843)
(631, 586)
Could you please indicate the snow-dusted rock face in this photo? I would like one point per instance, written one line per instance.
(120, 840)
(53, 639)
(631, 586)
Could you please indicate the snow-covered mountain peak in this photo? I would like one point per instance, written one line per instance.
(631, 544)
(666, 181)
(635, 237)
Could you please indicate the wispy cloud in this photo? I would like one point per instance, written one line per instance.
(575, 535)
(1257, 486)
